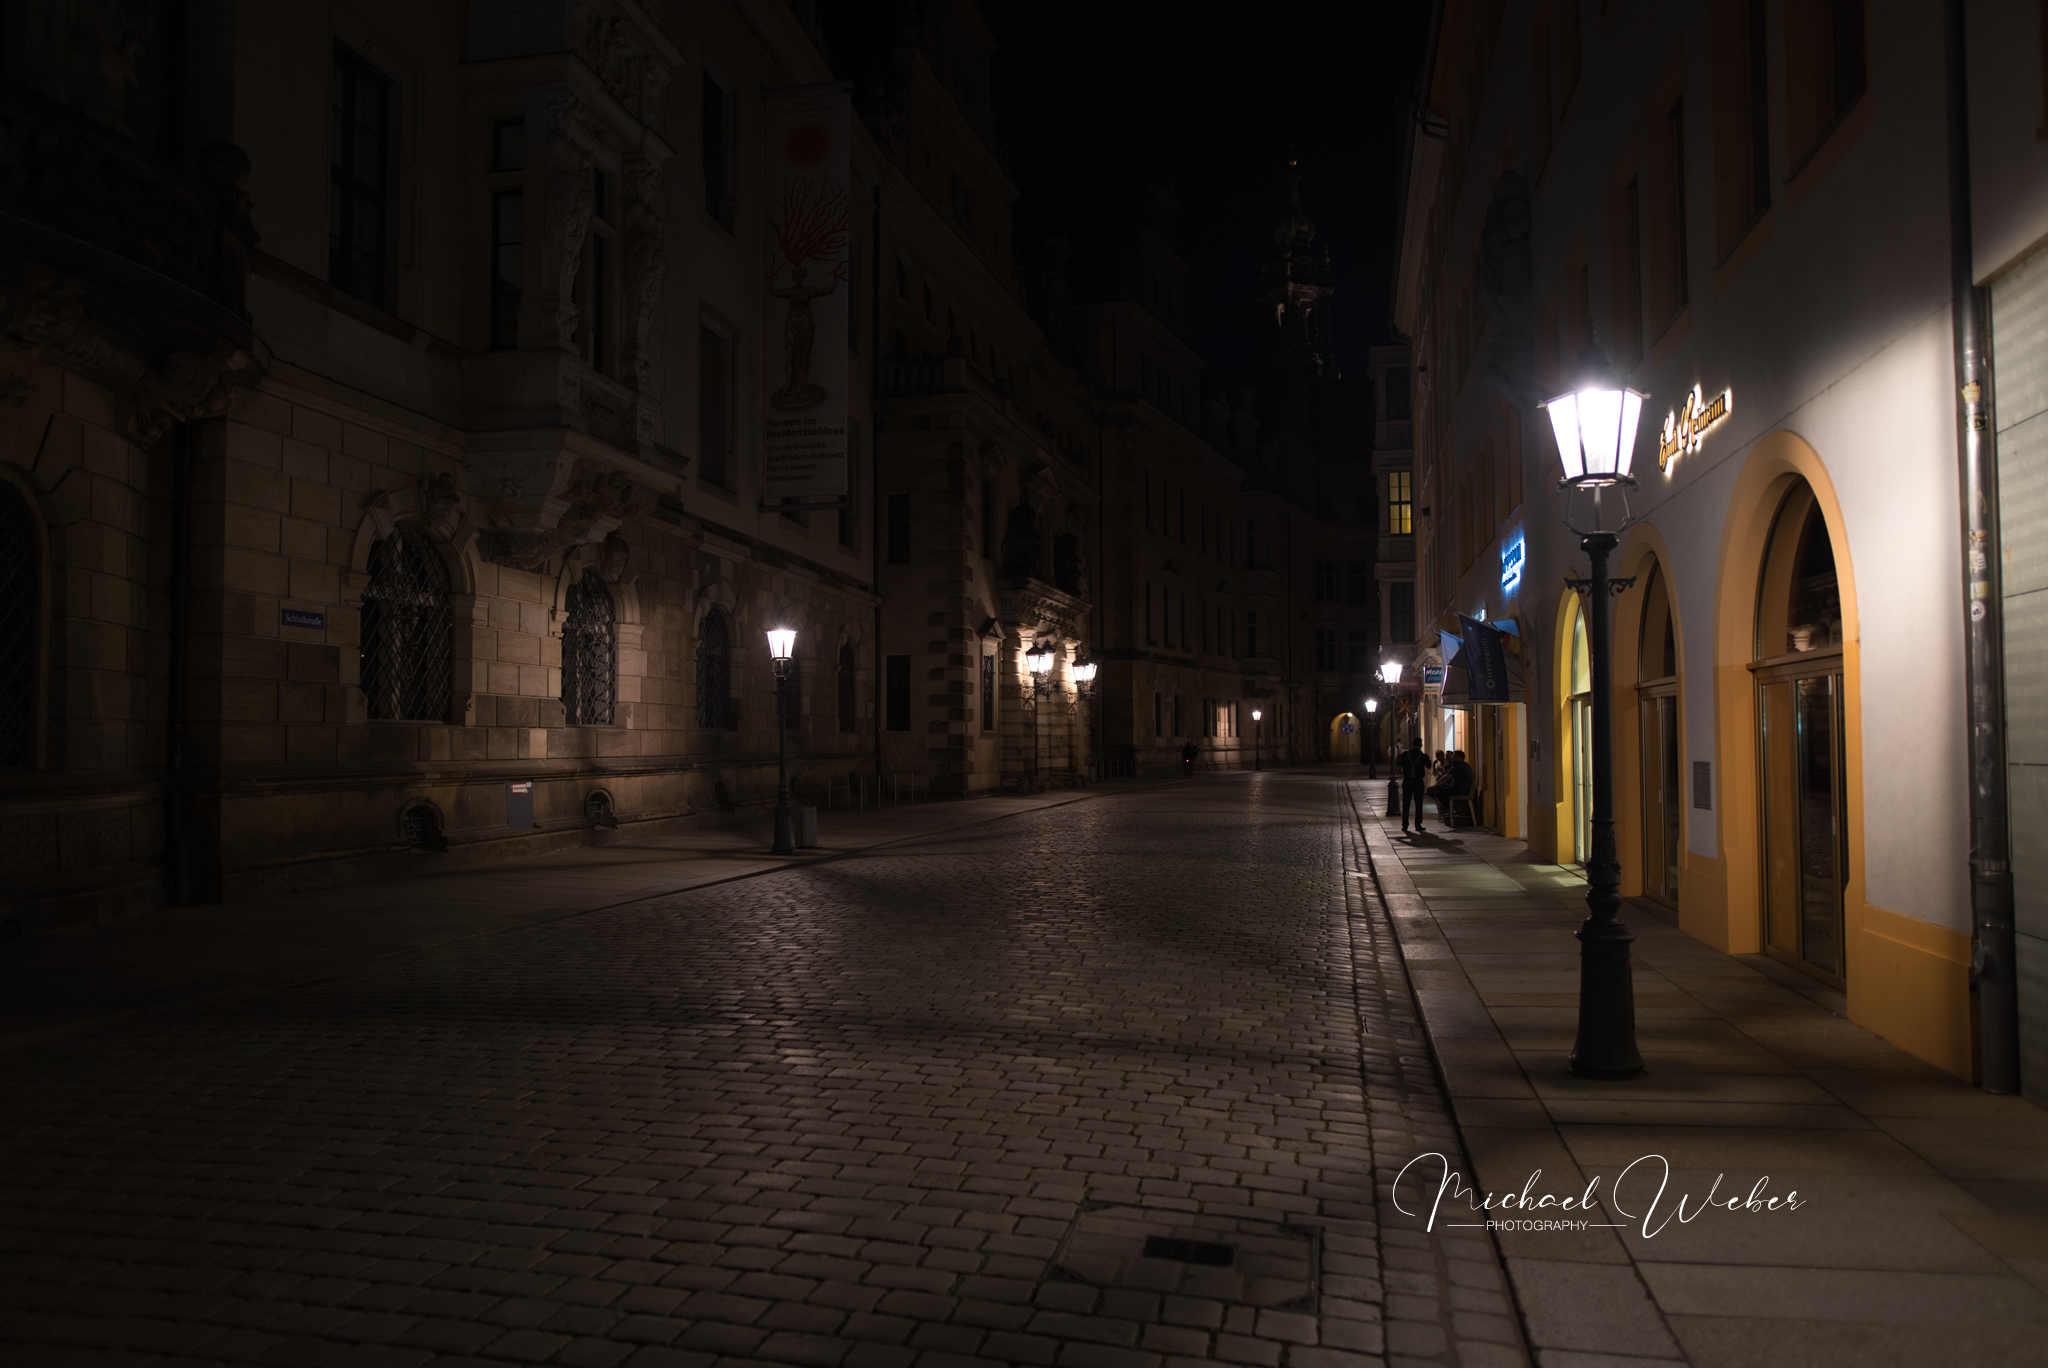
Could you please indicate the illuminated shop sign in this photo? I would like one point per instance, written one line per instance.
(1686, 429)
(1511, 556)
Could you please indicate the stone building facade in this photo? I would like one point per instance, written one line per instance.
(382, 398)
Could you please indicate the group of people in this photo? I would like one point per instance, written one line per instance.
(1448, 777)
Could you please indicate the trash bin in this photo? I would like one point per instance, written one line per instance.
(806, 827)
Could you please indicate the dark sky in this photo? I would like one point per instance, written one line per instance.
(1096, 96)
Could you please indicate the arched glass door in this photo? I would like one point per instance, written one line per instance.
(1657, 699)
(1582, 742)
(1801, 742)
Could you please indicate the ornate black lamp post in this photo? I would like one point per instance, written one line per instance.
(1258, 734)
(1038, 660)
(1595, 423)
(1390, 678)
(1084, 689)
(1369, 737)
(781, 646)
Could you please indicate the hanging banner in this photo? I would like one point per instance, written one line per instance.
(1485, 661)
(810, 257)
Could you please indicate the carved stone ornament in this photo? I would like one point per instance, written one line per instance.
(625, 62)
(588, 506)
(646, 263)
(572, 139)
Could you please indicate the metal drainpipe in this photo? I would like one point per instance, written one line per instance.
(1993, 973)
(875, 478)
(177, 837)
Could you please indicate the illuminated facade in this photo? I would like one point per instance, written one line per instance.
(1698, 197)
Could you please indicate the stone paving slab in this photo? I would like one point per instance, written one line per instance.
(840, 1114)
(1923, 1231)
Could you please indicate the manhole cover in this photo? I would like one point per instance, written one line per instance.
(1248, 1260)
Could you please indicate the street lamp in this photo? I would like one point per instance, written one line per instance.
(781, 648)
(1390, 672)
(1084, 689)
(1038, 660)
(1257, 733)
(1595, 423)
(1372, 760)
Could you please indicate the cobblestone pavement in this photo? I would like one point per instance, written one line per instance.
(1108, 1084)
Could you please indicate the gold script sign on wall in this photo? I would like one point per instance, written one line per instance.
(1687, 428)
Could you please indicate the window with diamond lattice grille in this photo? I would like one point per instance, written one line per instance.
(714, 674)
(408, 632)
(848, 721)
(20, 611)
(590, 653)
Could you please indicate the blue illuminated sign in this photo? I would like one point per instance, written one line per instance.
(1511, 557)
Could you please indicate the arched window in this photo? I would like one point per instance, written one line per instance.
(20, 618)
(847, 699)
(590, 653)
(714, 673)
(408, 636)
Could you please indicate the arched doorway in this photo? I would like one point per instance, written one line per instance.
(1657, 707)
(1797, 663)
(1347, 734)
(1576, 732)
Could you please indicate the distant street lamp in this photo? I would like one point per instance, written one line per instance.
(781, 648)
(1257, 734)
(1372, 728)
(1595, 424)
(1038, 660)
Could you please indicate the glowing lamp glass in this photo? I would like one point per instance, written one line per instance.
(781, 642)
(1372, 705)
(1390, 672)
(1084, 672)
(1256, 714)
(1038, 660)
(1595, 425)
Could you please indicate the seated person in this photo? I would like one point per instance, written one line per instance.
(1457, 783)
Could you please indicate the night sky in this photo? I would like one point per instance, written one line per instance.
(1098, 96)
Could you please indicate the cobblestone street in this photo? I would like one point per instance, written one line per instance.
(1102, 1084)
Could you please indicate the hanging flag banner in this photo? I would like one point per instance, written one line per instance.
(1485, 661)
(810, 259)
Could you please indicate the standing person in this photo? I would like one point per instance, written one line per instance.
(1414, 766)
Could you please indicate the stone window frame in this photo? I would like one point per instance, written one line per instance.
(454, 537)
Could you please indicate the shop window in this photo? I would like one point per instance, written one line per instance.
(896, 693)
(849, 683)
(358, 177)
(714, 674)
(20, 629)
(590, 653)
(408, 631)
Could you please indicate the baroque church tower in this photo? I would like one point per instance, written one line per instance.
(1297, 292)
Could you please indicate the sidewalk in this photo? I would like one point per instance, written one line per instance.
(1923, 1231)
(62, 981)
